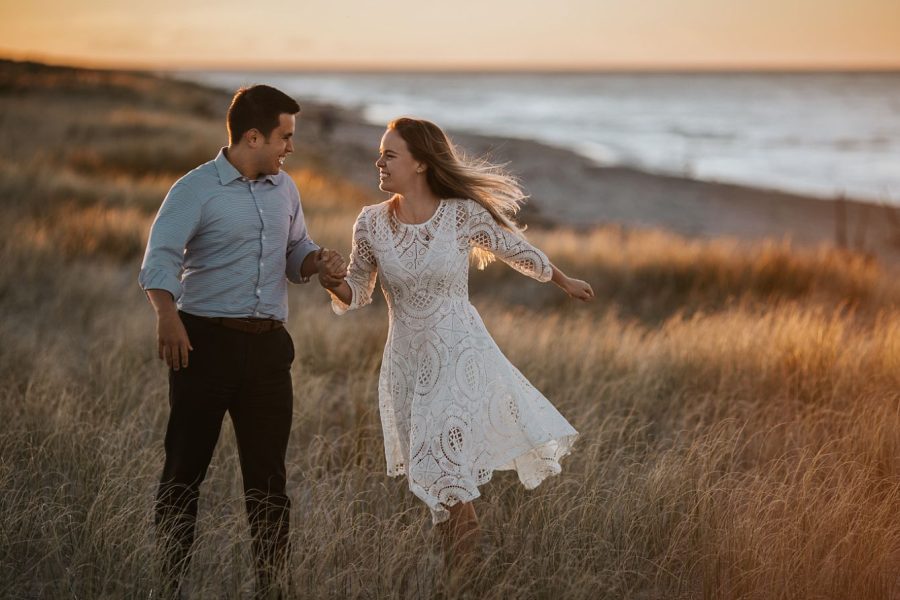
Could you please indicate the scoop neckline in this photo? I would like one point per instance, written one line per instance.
(426, 222)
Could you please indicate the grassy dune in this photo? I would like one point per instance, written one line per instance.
(739, 404)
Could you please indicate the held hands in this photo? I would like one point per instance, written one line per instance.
(332, 268)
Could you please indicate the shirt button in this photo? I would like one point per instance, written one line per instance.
(260, 263)
(264, 237)
(258, 291)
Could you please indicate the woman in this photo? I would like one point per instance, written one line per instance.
(453, 408)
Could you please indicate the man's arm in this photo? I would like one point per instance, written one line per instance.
(175, 224)
(301, 250)
(171, 336)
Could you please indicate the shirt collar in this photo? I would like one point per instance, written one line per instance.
(227, 172)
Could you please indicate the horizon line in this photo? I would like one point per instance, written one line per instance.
(346, 67)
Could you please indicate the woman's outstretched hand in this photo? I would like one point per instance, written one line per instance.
(575, 288)
(578, 289)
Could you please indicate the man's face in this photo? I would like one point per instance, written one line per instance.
(277, 146)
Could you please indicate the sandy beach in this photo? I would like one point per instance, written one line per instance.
(569, 190)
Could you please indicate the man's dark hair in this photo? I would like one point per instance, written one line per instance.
(257, 107)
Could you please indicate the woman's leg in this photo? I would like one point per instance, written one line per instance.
(461, 534)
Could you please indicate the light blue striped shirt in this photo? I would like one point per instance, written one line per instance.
(226, 246)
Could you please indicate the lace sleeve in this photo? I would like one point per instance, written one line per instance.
(361, 271)
(486, 233)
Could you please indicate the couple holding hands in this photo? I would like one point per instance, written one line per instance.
(228, 238)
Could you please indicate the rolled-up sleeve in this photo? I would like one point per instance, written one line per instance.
(175, 223)
(299, 244)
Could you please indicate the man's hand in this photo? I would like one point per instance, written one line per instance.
(172, 340)
(331, 267)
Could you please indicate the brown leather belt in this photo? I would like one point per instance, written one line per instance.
(245, 324)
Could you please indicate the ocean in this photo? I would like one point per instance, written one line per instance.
(819, 134)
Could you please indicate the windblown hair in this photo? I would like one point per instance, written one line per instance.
(451, 174)
(257, 107)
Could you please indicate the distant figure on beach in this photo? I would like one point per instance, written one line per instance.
(227, 239)
(453, 408)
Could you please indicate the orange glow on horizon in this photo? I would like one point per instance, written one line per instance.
(425, 66)
(494, 35)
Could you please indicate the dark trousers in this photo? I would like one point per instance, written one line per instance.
(248, 376)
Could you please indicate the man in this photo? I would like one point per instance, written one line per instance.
(228, 237)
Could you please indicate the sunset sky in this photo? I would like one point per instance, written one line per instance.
(280, 34)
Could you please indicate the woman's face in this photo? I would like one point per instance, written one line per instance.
(397, 169)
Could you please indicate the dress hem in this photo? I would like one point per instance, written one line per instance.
(439, 510)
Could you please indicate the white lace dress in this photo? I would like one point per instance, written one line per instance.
(453, 408)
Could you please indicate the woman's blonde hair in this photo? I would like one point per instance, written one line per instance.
(451, 174)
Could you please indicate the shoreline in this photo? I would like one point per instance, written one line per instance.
(568, 189)
(676, 127)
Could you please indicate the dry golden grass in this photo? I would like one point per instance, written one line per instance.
(739, 405)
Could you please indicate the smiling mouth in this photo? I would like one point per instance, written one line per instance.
(281, 159)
